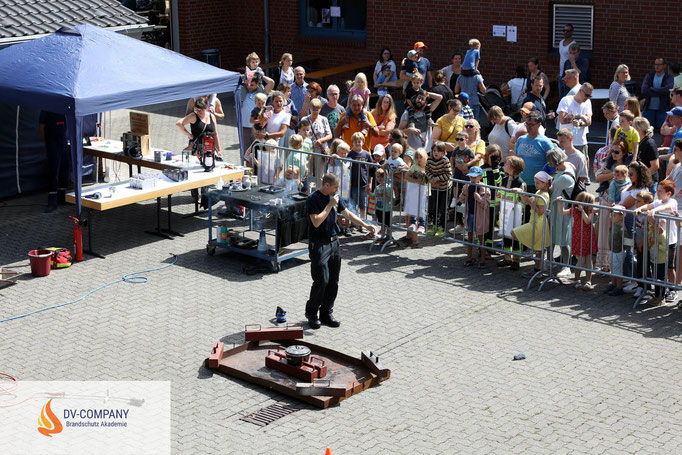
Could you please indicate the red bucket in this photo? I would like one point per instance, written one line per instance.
(41, 262)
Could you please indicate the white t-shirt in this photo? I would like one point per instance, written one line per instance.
(563, 55)
(275, 122)
(569, 105)
(501, 134)
(629, 193)
(578, 160)
(672, 226)
(516, 85)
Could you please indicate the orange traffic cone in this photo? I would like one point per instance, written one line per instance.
(328, 451)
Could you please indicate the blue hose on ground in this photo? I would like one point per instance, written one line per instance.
(133, 278)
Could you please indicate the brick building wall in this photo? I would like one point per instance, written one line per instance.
(631, 33)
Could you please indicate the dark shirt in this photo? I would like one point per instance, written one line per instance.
(315, 204)
(410, 92)
(583, 65)
(538, 103)
(359, 174)
(447, 94)
(255, 113)
(55, 127)
(647, 153)
(529, 83)
(197, 128)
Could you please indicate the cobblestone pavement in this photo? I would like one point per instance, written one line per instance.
(598, 378)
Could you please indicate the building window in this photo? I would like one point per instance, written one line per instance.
(343, 19)
(582, 19)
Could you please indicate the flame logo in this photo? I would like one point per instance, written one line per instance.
(48, 422)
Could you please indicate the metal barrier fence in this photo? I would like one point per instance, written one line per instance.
(409, 203)
(300, 170)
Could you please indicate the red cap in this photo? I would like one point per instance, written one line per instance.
(419, 44)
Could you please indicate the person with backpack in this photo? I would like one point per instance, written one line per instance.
(564, 187)
(502, 131)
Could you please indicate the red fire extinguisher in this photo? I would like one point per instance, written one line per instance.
(77, 239)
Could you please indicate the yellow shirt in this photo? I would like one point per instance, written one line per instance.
(479, 149)
(631, 137)
(450, 128)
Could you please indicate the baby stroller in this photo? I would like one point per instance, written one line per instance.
(492, 97)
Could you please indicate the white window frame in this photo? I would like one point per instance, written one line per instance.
(583, 32)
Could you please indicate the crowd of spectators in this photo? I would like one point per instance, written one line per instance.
(437, 138)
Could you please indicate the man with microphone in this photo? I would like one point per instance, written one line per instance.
(323, 246)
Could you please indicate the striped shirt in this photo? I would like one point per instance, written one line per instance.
(439, 169)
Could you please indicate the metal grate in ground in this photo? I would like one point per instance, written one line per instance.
(269, 414)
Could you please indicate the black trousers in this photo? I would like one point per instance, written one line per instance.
(325, 265)
(437, 206)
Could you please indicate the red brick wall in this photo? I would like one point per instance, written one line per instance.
(630, 33)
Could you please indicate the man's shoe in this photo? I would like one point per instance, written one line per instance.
(313, 322)
(330, 321)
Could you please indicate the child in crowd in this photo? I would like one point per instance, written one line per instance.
(410, 63)
(304, 128)
(340, 149)
(438, 172)
(291, 179)
(467, 113)
(461, 160)
(617, 254)
(345, 93)
(511, 208)
(471, 59)
(382, 196)
(620, 181)
(261, 113)
(666, 204)
(411, 93)
(492, 176)
(413, 88)
(477, 199)
(396, 165)
(610, 111)
(359, 175)
(386, 75)
(627, 133)
(415, 198)
(298, 160)
(657, 244)
(583, 237)
(531, 233)
(643, 198)
(252, 69)
(359, 88)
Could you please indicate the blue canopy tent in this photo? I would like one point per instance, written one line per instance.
(86, 69)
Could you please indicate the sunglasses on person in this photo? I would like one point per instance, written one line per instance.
(616, 151)
(460, 139)
(587, 95)
(469, 126)
(532, 124)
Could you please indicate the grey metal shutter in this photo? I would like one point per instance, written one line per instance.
(582, 19)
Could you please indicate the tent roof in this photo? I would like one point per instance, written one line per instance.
(87, 69)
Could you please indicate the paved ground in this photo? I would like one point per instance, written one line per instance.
(598, 378)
